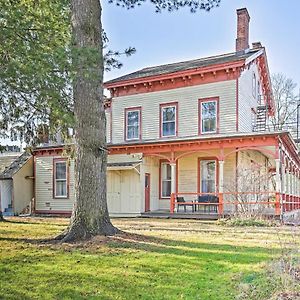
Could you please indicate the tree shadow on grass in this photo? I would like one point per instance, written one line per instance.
(136, 242)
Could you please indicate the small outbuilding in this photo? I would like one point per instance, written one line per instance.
(16, 184)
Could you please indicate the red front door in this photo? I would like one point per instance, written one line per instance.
(147, 192)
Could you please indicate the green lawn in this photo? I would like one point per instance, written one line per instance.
(159, 259)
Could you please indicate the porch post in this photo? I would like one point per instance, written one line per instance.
(283, 184)
(221, 186)
(287, 196)
(173, 177)
(294, 187)
(278, 184)
(173, 184)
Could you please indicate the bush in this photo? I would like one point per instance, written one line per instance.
(252, 222)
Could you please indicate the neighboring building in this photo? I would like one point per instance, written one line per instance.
(180, 132)
(16, 183)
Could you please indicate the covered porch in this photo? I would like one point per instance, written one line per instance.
(220, 175)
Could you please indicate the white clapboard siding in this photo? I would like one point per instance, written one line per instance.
(122, 158)
(44, 186)
(246, 100)
(187, 99)
(108, 123)
(6, 190)
(151, 166)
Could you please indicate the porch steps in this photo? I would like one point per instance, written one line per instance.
(167, 215)
(8, 212)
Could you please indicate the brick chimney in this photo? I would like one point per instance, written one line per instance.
(243, 19)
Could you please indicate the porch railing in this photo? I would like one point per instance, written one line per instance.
(233, 201)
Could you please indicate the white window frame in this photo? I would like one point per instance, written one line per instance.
(60, 180)
(163, 180)
(201, 117)
(162, 120)
(139, 124)
(216, 176)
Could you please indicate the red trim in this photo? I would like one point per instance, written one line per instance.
(199, 172)
(55, 160)
(159, 183)
(199, 144)
(147, 201)
(237, 106)
(216, 73)
(54, 212)
(161, 106)
(34, 183)
(139, 109)
(210, 99)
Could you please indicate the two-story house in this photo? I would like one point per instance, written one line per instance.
(182, 134)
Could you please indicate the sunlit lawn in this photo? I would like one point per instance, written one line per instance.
(163, 259)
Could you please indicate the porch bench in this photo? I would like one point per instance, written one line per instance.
(181, 202)
(211, 200)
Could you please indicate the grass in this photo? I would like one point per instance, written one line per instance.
(157, 259)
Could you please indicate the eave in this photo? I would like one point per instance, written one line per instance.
(214, 73)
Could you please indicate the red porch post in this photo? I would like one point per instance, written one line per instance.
(221, 188)
(172, 203)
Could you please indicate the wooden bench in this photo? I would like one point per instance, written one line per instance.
(208, 202)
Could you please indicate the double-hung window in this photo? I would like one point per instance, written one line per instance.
(208, 116)
(60, 179)
(133, 123)
(165, 177)
(208, 176)
(168, 116)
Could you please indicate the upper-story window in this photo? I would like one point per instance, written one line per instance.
(133, 123)
(208, 116)
(258, 91)
(60, 179)
(254, 86)
(168, 119)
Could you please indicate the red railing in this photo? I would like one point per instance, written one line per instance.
(267, 199)
(290, 202)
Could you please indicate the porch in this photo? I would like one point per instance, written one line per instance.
(216, 176)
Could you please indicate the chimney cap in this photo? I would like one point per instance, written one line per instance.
(243, 10)
(256, 45)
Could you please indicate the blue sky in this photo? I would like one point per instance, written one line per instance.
(171, 37)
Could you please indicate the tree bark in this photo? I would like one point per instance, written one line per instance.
(1, 216)
(90, 214)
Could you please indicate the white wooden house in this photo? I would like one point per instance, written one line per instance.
(179, 134)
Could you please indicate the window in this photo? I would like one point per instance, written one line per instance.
(133, 123)
(60, 179)
(168, 120)
(208, 116)
(254, 88)
(208, 176)
(165, 177)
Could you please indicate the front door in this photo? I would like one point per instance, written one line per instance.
(147, 192)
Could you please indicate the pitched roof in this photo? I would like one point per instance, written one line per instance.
(15, 166)
(186, 65)
(6, 160)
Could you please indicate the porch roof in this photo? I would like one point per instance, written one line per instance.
(252, 140)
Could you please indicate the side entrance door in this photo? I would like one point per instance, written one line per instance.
(147, 192)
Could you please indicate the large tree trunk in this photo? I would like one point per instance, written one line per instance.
(90, 215)
(1, 216)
